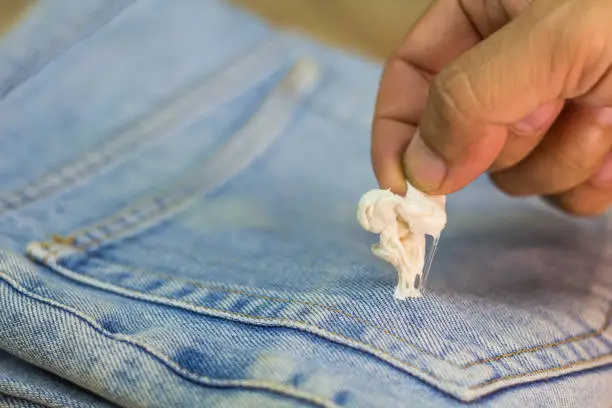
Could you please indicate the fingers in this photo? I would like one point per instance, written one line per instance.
(570, 153)
(533, 61)
(590, 198)
(442, 34)
(448, 29)
(586, 200)
(524, 136)
(401, 98)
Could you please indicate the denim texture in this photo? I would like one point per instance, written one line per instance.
(177, 229)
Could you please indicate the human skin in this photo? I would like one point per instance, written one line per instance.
(517, 88)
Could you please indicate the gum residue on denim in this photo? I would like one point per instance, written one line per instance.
(402, 224)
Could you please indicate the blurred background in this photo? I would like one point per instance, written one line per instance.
(10, 10)
(369, 27)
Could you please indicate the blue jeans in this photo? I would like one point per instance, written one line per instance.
(177, 229)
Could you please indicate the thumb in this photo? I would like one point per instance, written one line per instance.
(554, 50)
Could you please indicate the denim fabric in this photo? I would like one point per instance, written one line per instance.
(177, 229)
(23, 383)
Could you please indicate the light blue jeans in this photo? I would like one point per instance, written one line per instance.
(177, 229)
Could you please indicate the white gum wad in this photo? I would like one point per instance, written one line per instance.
(403, 223)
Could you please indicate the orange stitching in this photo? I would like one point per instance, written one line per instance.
(69, 241)
(580, 337)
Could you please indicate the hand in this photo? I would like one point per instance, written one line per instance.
(519, 88)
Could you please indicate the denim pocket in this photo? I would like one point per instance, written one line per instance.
(519, 293)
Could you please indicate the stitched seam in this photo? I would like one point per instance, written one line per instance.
(156, 210)
(37, 70)
(145, 346)
(166, 360)
(581, 337)
(55, 180)
(350, 341)
(33, 191)
(544, 371)
(585, 336)
(221, 288)
(168, 206)
(158, 206)
(122, 143)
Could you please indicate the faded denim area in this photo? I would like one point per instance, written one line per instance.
(177, 229)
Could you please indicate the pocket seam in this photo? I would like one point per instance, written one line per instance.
(475, 391)
(154, 298)
(52, 258)
(292, 90)
(49, 253)
(544, 371)
(174, 303)
(162, 357)
(266, 56)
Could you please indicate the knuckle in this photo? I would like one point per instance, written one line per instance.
(449, 112)
(580, 48)
(587, 64)
(392, 60)
(599, 94)
(454, 95)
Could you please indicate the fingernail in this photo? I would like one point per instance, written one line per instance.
(603, 177)
(604, 116)
(424, 168)
(536, 120)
